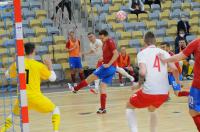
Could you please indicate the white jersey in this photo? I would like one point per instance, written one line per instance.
(156, 79)
(97, 48)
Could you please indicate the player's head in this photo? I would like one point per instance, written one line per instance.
(91, 37)
(103, 35)
(165, 46)
(149, 38)
(71, 34)
(123, 50)
(182, 43)
(29, 49)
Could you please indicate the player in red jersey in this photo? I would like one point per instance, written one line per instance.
(194, 97)
(104, 72)
(153, 81)
(176, 87)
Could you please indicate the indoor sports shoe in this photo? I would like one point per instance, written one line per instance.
(93, 91)
(71, 88)
(101, 111)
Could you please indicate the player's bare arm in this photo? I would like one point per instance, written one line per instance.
(174, 71)
(47, 61)
(174, 58)
(114, 58)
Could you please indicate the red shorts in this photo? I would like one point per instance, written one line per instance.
(142, 100)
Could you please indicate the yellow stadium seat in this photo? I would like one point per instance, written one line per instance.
(147, 8)
(40, 32)
(3, 40)
(85, 64)
(125, 2)
(114, 2)
(151, 25)
(131, 51)
(1, 25)
(59, 40)
(185, 6)
(137, 34)
(35, 23)
(26, 40)
(194, 22)
(56, 48)
(9, 24)
(194, 14)
(3, 81)
(7, 60)
(165, 15)
(117, 27)
(114, 8)
(110, 18)
(63, 47)
(171, 31)
(125, 35)
(123, 43)
(61, 56)
(3, 51)
(194, 29)
(132, 18)
(198, 31)
(166, 5)
(12, 51)
(41, 14)
(172, 23)
(65, 65)
(141, 42)
(35, 40)
(142, 17)
(47, 56)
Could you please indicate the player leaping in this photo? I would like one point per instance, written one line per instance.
(104, 72)
(35, 72)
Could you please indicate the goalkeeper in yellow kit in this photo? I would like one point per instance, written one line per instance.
(35, 72)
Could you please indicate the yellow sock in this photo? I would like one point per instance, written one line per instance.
(190, 69)
(7, 125)
(56, 122)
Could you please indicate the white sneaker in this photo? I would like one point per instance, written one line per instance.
(71, 88)
(121, 84)
(75, 84)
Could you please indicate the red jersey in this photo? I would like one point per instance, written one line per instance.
(176, 63)
(194, 48)
(108, 47)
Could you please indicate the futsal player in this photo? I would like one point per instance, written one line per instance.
(35, 73)
(105, 72)
(194, 97)
(153, 83)
(73, 47)
(176, 87)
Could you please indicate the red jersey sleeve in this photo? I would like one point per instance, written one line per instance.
(67, 44)
(191, 47)
(112, 45)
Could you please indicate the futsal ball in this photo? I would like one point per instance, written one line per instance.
(121, 15)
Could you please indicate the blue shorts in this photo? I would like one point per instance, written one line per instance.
(172, 81)
(75, 63)
(105, 74)
(194, 99)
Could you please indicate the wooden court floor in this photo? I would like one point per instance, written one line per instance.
(78, 114)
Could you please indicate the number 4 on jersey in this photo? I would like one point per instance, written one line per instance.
(157, 63)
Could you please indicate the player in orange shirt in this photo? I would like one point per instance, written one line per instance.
(124, 62)
(73, 47)
(35, 73)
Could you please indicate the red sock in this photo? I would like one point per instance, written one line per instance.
(73, 77)
(103, 101)
(81, 75)
(120, 78)
(81, 85)
(197, 121)
(183, 93)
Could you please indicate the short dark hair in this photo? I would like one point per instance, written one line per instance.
(165, 43)
(103, 32)
(149, 38)
(29, 48)
(90, 33)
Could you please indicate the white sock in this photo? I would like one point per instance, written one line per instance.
(56, 111)
(153, 121)
(132, 121)
(124, 73)
(96, 84)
